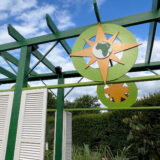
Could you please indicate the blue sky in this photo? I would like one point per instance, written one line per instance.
(28, 17)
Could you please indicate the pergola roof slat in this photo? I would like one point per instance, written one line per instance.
(152, 31)
(125, 21)
(18, 37)
(7, 73)
(12, 59)
(55, 30)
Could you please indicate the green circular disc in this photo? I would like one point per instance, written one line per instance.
(129, 57)
(132, 96)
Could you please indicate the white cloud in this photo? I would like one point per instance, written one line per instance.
(141, 50)
(100, 2)
(33, 21)
(3, 15)
(16, 6)
(5, 37)
(5, 4)
(78, 3)
(156, 51)
(64, 20)
(19, 6)
(29, 18)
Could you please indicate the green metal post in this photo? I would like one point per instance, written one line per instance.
(59, 120)
(21, 82)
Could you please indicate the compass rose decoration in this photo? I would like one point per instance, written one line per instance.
(103, 50)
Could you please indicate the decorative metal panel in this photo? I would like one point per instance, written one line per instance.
(30, 142)
(6, 100)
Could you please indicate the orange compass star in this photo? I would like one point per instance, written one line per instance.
(103, 50)
(116, 91)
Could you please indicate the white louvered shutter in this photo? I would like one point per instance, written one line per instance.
(6, 101)
(30, 142)
(67, 136)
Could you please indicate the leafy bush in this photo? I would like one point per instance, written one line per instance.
(145, 129)
(101, 130)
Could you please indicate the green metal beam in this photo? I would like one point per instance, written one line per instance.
(125, 21)
(92, 83)
(18, 37)
(145, 66)
(14, 33)
(59, 120)
(152, 32)
(72, 88)
(54, 30)
(49, 89)
(72, 74)
(12, 59)
(7, 73)
(96, 10)
(40, 60)
(104, 109)
(10, 66)
(45, 61)
(7, 80)
(21, 82)
(153, 72)
(9, 57)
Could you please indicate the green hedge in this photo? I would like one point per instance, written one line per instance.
(95, 130)
(101, 129)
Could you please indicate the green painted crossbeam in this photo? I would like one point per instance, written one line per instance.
(133, 79)
(73, 74)
(92, 83)
(7, 73)
(105, 109)
(125, 21)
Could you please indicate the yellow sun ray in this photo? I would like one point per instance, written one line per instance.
(103, 66)
(117, 99)
(100, 36)
(91, 43)
(116, 91)
(92, 60)
(114, 58)
(119, 47)
(106, 91)
(126, 89)
(83, 53)
(124, 96)
(111, 39)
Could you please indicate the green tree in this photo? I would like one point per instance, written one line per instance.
(85, 101)
(51, 103)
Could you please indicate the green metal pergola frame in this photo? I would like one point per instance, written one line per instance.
(25, 74)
